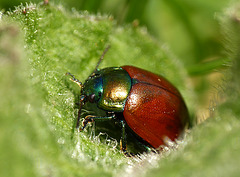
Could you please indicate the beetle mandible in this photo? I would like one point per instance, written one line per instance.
(151, 106)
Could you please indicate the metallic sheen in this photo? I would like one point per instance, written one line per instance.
(117, 85)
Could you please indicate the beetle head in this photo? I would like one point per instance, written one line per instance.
(93, 88)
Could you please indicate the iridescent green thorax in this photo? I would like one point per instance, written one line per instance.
(111, 87)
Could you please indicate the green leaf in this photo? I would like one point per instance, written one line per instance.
(38, 110)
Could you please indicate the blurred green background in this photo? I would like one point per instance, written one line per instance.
(37, 134)
(189, 28)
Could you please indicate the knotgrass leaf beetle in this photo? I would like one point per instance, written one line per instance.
(151, 106)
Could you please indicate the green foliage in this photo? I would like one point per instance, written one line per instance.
(40, 43)
(39, 100)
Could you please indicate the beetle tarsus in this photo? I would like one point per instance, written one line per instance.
(128, 154)
(86, 121)
(75, 80)
(124, 150)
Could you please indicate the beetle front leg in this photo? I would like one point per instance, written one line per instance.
(75, 80)
(86, 121)
(91, 118)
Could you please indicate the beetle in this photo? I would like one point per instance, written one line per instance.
(151, 106)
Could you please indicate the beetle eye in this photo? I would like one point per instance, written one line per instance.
(91, 98)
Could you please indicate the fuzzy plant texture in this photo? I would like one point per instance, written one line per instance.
(40, 43)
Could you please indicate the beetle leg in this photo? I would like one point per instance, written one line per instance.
(80, 109)
(123, 141)
(91, 118)
(75, 80)
(86, 121)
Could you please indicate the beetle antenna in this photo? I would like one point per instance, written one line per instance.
(101, 58)
(75, 80)
(80, 111)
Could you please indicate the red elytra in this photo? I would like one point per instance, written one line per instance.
(154, 109)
